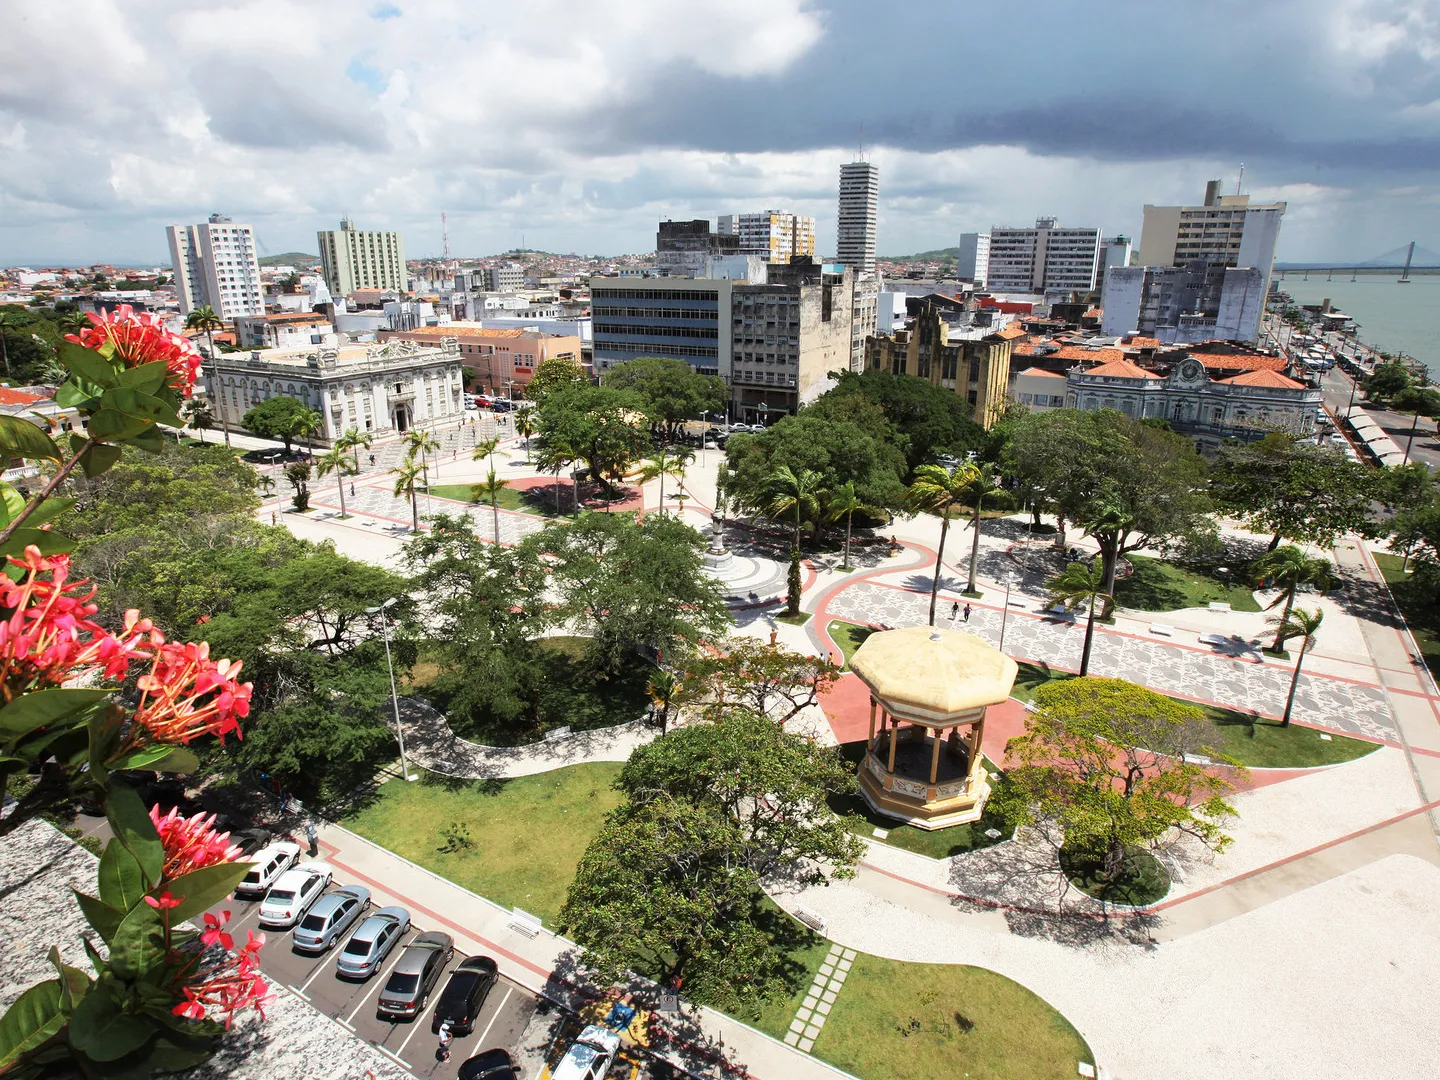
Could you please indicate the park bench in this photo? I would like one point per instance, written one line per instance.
(1219, 605)
(1214, 639)
(1163, 629)
(810, 919)
(524, 923)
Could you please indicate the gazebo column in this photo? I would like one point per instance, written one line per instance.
(872, 721)
(894, 734)
(935, 754)
(977, 732)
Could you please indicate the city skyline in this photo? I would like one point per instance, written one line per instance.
(617, 123)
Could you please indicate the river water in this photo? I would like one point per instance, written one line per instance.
(1396, 318)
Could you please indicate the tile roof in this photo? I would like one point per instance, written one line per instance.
(17, 397)
(1239, 361)
(1041, 371)
(1078, 352)
(1271, 379)
(1010, 333)
(1093, 313)
(1121, 369)
(462, 332)
(1139, 341)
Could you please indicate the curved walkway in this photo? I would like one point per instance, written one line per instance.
(432, 745)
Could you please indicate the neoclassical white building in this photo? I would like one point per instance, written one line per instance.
(381, 389)
(1244, 406)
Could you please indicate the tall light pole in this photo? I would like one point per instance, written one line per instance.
(1005, 614)
(394, 697)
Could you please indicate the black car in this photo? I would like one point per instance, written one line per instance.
(464, 994)
(491, 1065)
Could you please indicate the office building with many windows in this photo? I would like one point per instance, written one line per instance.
(1048, 259)
(1227, 230)
(859, 202)
(216, 266)
(681, 318)
(774, 235)
(353, 259)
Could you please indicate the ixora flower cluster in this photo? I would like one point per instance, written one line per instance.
(136, 338)
(51, 638)
(212, 980)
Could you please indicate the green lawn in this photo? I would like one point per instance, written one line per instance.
(848, 636)
(1163, 586)
(1417, 606)
(1250, 740)
(527, 833)
(509, 499)
(900, 1021)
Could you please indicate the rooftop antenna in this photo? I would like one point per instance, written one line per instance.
(862, 140)
(1239, 178)
(445, 235)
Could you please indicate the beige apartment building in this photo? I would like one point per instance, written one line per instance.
(352, 259)
(503, 359)
(774, 235)
(1226, 229)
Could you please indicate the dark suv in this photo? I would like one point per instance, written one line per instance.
(415, 975)
(464, 994)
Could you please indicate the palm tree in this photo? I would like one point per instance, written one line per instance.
(665, 463)
(266, 483)
(406, 474)
(1081, 584)
(1303, 624)
(354, 440)
(489, 489)
(203, 318)
(198, 415)
(342, 463)
(1289, 567)
(304, 424)
(939, 490)
(421, 442)
(797, 493)
(525, 427)
(844, 503)
(983, 484)
(7, 320)
(485, 448)
(662, 686)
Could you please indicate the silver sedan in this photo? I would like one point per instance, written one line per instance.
(331, 916)
(371, 943)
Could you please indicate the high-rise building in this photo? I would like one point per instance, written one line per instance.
(506, 278)
(1184, 305)
(1045, 259)
(859, 199)
(681, 318)
(353, 259)
(216, 266)
(973, 264)
(776, 235)
(681, 247)
(1227, 229)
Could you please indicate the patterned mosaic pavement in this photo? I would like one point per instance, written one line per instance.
(1237, 684)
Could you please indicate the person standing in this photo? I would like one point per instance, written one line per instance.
(442, 1052)
(954, 610)
(966, 613)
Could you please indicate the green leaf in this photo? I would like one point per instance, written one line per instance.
(100, 459)
(102, 1032)
(113, 425)
(35, 1017)
(138, 943)
(199, 889)
(142, 406)
(11, 503)
(104, 727)
(49, 510)
(20, 438)
(90, 366)
(172, 1053)
(74, 983)
(147, 378)
(152, 440)
(101, 916)
(132, 824)
(142, 759)
(178, 760)
(29, 711)
(96, 960)
(48, 541)
(73, 394)
(122, 885)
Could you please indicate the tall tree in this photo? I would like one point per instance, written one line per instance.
(1294, 490)
(925, 420)
(407, 474)
(668, 391)
(1289, 568)
(298, 473)
(1301, 623)
(1080, 585)
(281, 417)
(983, 484)
(796, 496)
(1105, 761)
(198, 414)
(939, 490)
(843, 504)
(204, 319)
(663, 463)
(559, 372)
(1388, 380)
(342, 463)
(764, 679)
(525, 427)
(420, 443)
(488, 490)
(597, 425)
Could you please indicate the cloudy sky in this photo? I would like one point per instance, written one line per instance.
(577, 124)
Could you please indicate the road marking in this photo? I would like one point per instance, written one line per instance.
(379, 978)
(297, 991)
(480, 1042)
(314, 974)
(392, 1057)
(415, 1027)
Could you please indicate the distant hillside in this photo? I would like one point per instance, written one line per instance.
(289, 258)
(939, 254)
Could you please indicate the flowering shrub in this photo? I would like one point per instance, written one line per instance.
(161, 993)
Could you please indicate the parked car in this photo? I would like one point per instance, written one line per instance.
(330, 917)
(491, 1065)
(464, 995)
(270, 862)
(293, 893)
(501, 405)
(415, 974)
(591, 1055)
(371, 943)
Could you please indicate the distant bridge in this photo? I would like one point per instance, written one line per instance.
(1406, 259)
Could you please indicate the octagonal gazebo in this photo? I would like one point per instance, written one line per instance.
(930, 687)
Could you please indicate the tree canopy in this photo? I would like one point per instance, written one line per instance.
(553, 374)
(928, 420)
(593, 424)
(1294, 490)
(281, 417)
(668, 391)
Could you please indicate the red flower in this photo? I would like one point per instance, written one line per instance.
(186, 694)
(214, 933)
(191, 844)
(136, 338)
(229, 986)
(164, 902)
(50, 636)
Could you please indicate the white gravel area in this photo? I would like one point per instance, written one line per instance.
(1338, 980)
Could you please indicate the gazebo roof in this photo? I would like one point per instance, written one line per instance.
(931, 674)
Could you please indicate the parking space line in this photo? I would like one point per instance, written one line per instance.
(419, 1017)
(314, 974)
(480, 1042)
(391, 1056)
(381, 977)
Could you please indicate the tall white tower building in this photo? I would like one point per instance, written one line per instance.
(352, 258)
(215, 265)
(859, 197)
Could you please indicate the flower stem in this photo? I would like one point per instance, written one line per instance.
(49, 489)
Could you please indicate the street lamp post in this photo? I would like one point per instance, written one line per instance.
(1005, 614)
(394, 697)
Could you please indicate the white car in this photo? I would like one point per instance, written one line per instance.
(269, 863)
(591, 1056)
(293, 893)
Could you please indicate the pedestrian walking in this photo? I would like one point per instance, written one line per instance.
(442, 1052)
(954, 610)
(274, 518)
(966, 613)
(372, 459)
(352, 489)
(312, 837)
